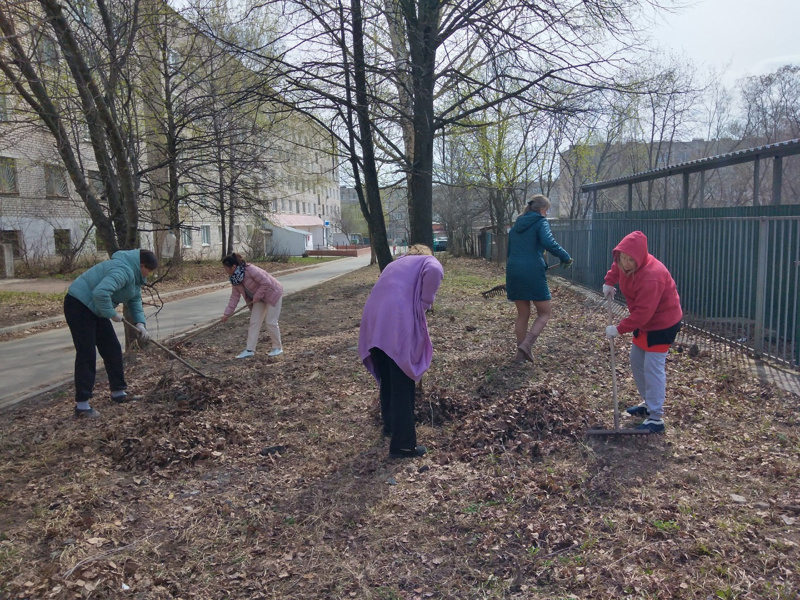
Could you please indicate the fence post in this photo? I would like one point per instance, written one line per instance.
(777, 179)
(761, 286)
(756, 165)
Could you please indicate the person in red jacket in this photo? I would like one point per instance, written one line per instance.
(263, 294)
(655, 319)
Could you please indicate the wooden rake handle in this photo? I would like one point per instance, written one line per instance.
(200, 330)
(167, 350)
(610, 313)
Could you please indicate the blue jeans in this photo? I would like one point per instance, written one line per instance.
(649, 373)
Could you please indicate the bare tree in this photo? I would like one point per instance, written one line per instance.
(96, 89)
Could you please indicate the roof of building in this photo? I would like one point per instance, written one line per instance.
(295, 221)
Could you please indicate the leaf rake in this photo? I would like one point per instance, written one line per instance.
(498, 290)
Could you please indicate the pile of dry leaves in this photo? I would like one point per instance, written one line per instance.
(270, 477)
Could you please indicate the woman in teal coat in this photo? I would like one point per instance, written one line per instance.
(526, 281)
(89, 307)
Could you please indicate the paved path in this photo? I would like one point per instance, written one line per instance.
(38, 363)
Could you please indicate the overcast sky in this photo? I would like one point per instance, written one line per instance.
(750, 37)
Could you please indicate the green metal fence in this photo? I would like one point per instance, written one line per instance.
(736, 268)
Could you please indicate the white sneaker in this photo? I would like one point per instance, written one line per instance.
(246, 354)
(275, 352)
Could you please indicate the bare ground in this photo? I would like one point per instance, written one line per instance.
(270, 479)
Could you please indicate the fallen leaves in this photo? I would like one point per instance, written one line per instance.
(272, 479)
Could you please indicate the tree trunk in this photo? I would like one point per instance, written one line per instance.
(374, 213)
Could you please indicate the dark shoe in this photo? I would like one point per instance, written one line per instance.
(416, 452)
(640, 410)
(126, 398)
(652, 425)
(86, 413)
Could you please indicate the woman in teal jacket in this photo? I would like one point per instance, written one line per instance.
(90, 306)
(526, 281)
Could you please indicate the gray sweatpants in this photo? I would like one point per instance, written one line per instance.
(649, 372)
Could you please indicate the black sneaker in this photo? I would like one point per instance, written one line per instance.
(125, 398)
(640, 410)
(415, 453)
(652, 425)
(86, 413)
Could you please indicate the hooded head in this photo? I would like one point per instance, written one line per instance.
(633, 245)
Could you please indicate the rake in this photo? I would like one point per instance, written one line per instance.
(167, 350)
(616, 430)
(205, 328)
(498, 290)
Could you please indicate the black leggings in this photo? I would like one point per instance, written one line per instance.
(397, 402)
(89, 332)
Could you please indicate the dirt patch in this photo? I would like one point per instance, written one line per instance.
(172, 496)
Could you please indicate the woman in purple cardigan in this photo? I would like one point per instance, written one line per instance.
(263, 294)
(394, 344)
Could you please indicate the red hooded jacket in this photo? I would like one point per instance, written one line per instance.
(650, 291)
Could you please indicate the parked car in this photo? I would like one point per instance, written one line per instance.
(440, 243)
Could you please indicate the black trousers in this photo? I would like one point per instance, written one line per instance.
(397, 402)
(89, 332)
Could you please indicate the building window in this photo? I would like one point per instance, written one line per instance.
(304, 208)
(13, 237)
(48, 52)
(54, 182)
(95, 182)
(283, 205)
(99, 243)
(8, 176)
(205, 235)
(186, 237)
(63, 242)
(173, 58)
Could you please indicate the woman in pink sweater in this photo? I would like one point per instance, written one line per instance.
(655, 319)
(263, 294)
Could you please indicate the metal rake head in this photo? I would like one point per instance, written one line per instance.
(498, 290)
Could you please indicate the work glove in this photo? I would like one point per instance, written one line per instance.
(117, 318)
(609, 291)
(144, 335)
(611, 332)
(566, 264)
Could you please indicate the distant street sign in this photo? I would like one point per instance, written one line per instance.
(327, 223)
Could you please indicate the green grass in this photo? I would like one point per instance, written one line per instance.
(30, 298)
(311, 260)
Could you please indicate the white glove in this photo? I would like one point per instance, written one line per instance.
(144, 335)
(611, 332)
(117, 318)
(609, 291)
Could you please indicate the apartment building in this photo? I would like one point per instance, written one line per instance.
(293, 185)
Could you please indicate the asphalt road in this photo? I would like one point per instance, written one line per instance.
(39, 363)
